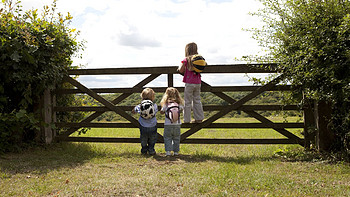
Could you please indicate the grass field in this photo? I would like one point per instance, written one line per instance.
(99, 169)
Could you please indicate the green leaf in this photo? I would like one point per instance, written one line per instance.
(16, 57)
(21, 114)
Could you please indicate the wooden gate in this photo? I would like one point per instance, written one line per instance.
(155, 72)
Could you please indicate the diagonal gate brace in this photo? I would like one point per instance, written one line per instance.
(238, 104)
(114, 102)
(261, 118)
(108, 104)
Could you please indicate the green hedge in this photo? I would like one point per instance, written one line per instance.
(35, 53)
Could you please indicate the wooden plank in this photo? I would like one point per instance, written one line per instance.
(205, 108)
(104, 139)
(249, 125)
(184, 125)
(224, 68)
(181, 89)
(100, 90)
(125, 71)
(236, 141)
(187, 141)
(99, 139)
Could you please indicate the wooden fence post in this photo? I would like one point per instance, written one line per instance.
(309, 125)
(324, 135)
(47, 132)
(54, 117)
(170, 80)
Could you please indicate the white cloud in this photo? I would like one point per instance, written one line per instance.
(124, 33)
(137, 40)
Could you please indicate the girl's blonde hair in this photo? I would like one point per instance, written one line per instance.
(190, 50)
(171, 94)
(147, 94)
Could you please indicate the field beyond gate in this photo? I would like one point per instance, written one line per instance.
(187, 136)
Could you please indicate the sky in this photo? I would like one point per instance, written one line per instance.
(144, 33)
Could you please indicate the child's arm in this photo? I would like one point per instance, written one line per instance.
(155, 108)
(181, 68)
(181, 108)
(162, 110)
(135, 109)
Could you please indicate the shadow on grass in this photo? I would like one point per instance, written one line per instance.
(204, 157)
(43, 159)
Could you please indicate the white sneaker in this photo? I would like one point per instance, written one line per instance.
(176, 153)
(168, 153)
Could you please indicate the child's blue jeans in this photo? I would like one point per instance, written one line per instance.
(172, 137)
(148, 137)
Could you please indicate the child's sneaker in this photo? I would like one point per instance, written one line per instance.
(176, 153)
(168, 153)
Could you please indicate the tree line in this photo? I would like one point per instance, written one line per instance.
(207, 98)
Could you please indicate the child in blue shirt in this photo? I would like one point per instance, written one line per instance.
(148, 122)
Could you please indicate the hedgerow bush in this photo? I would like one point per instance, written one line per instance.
(36, 51)
(310, 41)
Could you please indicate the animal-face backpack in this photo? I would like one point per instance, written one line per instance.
(147, 109)
(173, 112)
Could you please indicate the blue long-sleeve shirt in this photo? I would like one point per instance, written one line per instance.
(152, 122)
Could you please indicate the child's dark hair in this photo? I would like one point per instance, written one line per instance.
(190, 50)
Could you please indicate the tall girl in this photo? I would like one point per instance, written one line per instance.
(172, 105)
(192, 82)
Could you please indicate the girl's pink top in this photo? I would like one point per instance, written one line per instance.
(190, 76)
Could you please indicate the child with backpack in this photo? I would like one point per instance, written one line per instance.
(191, 67)
(172, 105)
(148, 122)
